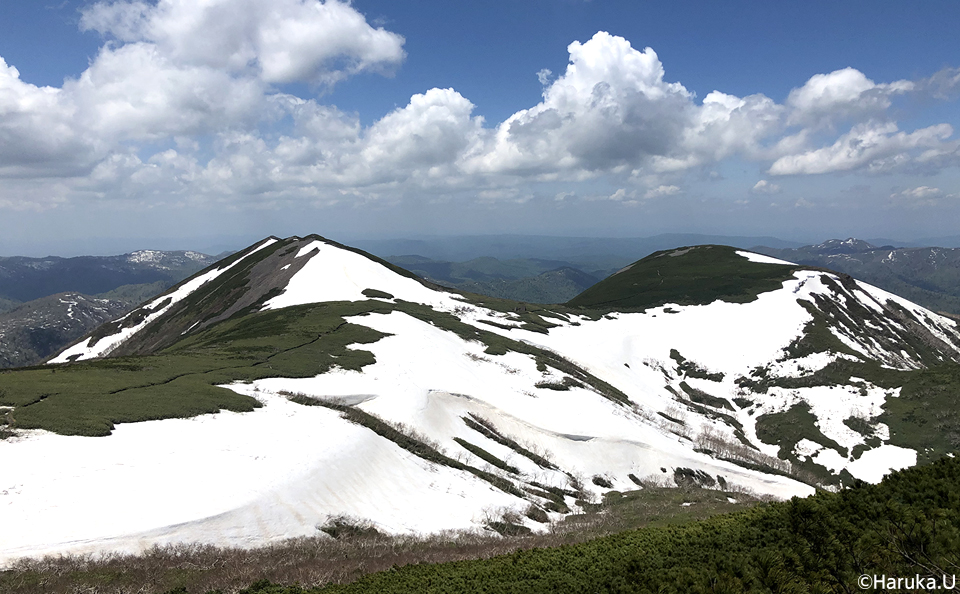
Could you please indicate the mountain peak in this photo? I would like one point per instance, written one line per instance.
(357, 389)
(273, 273)
(688, 275)
(850, 245)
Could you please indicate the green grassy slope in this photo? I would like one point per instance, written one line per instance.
(88, 398)
(686, 276)
(905, 526)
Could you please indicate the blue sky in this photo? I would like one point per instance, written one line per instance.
(171, 124)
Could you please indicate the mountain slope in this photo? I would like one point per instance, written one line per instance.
(38, 329)
(929, 276)
(55, 301)
(349, 388)
(821, 544)
(695, 275)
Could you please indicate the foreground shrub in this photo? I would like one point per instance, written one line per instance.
(908, 525)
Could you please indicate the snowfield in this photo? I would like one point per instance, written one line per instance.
(429, 379)
(336, 274)
(762, 259)
(283, 470)
(228, 478)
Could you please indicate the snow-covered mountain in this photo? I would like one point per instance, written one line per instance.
(382, 398)
(929, 276)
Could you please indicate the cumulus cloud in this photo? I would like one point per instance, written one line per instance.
(427, 135)
(872, 146)
(178, 69)
(765, 187)
(611, 109)
(206, 78)
(722, 126)
(38, 134)
(846, 93)
(136, 92)
(917, 197)
(281, 41)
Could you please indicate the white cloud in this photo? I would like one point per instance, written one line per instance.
(418, 145)
(661, 191)
(825, 98)
(202, 77)
(917, 197)
(426, 136)
(282, 41)
(922, 192)
(38, 134)
(722, 126)
(610, 110)
(623, 196)
(765, 187)
(136, 92)
(872, 146)
(176, 70)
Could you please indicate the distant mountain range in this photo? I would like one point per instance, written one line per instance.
(929, 276)
(584, 253)
(532, 280)
(301, 385)
(24, 279)
(47, 303)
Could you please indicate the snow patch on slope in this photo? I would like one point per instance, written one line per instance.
(732, 337)
(236, 479)
(872, 465)
(428, 378)
(336, 274)
(315, 464)
(103, 346)
(631, 351)
(762, 259)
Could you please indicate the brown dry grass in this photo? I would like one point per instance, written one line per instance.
(309, 562)
(323, 560)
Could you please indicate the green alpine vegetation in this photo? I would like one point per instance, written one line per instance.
(685, 276)
(90, 397)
